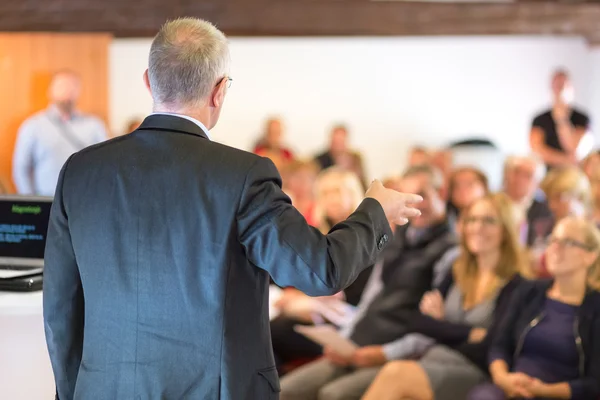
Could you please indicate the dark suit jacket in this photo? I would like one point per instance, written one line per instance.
(157, 267)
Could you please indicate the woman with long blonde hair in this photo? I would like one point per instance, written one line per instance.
(462, 314)
(548, 346)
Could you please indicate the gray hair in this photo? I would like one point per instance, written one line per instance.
(187, 59)
(435, 175)
(512, 161)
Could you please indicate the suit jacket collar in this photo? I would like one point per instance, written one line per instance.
(173, 123)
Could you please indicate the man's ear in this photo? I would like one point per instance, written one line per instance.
(217, 96)
(147, 81)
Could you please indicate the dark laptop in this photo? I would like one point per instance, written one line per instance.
(23, 228)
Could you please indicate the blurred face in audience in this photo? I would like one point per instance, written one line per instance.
(432, 208)
(466, 188)
(274, 133)
(520, 181)
(335, 199)
(339, 140)
(568, 252)
(562, 90)
(301, 182)
(64, 91)
(419, 157)
(564, 204)
(482, 228)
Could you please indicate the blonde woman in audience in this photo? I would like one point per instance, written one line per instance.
(548, 346)
(338, 193)
(569, 194)
(591, 163)
(595, 185)
(462, 315)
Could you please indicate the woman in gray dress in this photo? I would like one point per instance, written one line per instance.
(482, 279)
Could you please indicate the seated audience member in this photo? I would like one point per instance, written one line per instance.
(271, 145)
(419, 256)
(299, 179)
(419, 156)
(569, 194)
(339, 154)
(338, 193)
(466, 185)
(548, 346)
(442, 159)
(591, 163)
(462, 316)
(595, 185)
(522, 176)
(556, 134)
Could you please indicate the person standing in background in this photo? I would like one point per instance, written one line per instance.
(339, 154)
(271, 143)
(47, 139)
(556, 134)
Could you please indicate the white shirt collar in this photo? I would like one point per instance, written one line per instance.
(194, 120)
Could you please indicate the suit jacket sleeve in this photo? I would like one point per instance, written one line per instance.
(63, 299)
(278, 239)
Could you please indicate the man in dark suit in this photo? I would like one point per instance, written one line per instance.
(161, 243)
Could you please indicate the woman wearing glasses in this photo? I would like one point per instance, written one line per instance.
(549, 345)
(569, 193)
(463, 314)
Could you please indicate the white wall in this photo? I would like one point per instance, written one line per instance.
(594, 90)
(392, 92)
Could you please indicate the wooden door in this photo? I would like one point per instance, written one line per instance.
(27, 62)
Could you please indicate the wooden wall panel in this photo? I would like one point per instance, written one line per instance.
(309, 17)
(27, 62)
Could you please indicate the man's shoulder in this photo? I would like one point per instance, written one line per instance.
(220, 151)
(578, 116)
(39, 117)
(544, 116)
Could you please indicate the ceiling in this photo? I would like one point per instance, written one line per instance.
(126, 18)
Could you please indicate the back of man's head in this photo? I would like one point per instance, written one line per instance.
(188, 58)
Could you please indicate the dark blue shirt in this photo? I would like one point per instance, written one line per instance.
(549, 351)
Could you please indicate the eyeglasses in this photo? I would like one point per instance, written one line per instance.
(566, 242)
(486, 221)
(228, 79)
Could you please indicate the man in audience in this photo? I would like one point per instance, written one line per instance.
(340, 154)
(47, 139)
(419, 257)
(419, 155)
(522, 176)
(556, 133)
(271, 143)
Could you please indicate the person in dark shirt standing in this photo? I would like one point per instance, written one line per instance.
(556, 133)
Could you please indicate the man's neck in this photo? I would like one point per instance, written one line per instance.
(201, 115)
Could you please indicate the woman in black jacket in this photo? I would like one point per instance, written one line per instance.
(450, 369)
(549, 345)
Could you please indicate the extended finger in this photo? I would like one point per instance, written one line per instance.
(401, 221)
(411, 198)
(408, 212)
